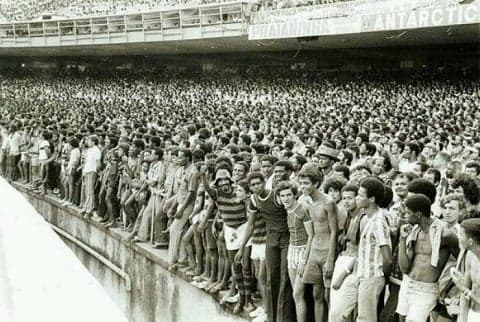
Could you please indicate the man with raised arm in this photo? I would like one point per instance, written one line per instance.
(233, 212)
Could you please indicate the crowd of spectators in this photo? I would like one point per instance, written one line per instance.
(25, 10)
(360, 192)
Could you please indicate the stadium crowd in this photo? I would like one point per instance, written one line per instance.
(309, 197)
(25, 10)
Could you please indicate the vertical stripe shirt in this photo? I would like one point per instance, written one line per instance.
(296, 218)
(375, 233)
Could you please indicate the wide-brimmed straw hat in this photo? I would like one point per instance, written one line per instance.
(222, 174)
(328, 152)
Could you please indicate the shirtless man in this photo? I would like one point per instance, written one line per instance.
(423, 253)
(322, 248)
(469, 283)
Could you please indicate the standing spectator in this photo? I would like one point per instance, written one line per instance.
(278, 289)
(232, 211)
(323, 244)
(14, 153)
(185, 188)
(44, 156)
(112, 173)
(301, 231)
(344, 292)
(91, 165)
(155, 181)
(423, 253)
(4, 149)
(71, 171)
(469, 281)
(374, 250)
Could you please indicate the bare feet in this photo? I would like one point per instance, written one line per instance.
(238, 308)
(249, 307)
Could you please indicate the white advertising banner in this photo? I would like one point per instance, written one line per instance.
(343, 9)
(428, 17)
(305, 28)
(419, 18)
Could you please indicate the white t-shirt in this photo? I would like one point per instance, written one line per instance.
(43, 150)
(14, 143)
(92, 156)
(74, 159)
(5, 140)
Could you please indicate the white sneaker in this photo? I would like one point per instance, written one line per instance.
(257, 312)
(260, 318)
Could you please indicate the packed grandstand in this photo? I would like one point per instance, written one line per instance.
(34, 10)
(24, 10)
(301, 185)
(422, 124)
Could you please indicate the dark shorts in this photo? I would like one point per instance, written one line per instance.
(313, 272)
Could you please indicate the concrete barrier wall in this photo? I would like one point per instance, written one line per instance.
(156, 294)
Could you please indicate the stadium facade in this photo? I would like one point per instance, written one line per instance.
(408, 33)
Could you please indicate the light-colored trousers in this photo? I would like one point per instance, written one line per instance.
(153, 208)
(88, 183)
(344, 300)
(369, 290)
(355, 292)
(176, 234)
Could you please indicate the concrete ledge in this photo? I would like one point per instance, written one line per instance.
(157, 294)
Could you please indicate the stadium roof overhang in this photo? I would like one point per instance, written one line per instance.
(460, 34)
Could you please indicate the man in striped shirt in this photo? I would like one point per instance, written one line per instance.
(278, 291)
(233, 212)
(374, 250)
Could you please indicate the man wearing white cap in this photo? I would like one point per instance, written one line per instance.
(233, 212)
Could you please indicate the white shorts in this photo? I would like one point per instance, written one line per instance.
(234, 236)
(417, 299)
(295, 255)
(473, 316)
(258, 252)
